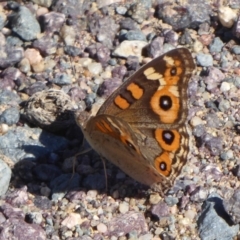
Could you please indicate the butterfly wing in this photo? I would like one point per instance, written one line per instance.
(141, 127)
(156, 94)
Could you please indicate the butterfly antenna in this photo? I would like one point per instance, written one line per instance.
(105, 173)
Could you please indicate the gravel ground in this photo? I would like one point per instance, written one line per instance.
(59, 56)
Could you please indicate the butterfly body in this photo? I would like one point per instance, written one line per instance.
(141, 126)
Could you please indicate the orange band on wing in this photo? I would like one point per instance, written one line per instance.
(121, 102)
(135, 90)
(102, 126)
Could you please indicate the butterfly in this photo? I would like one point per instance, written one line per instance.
(141, 127)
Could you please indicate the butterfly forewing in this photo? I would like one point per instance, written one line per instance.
(156, 93)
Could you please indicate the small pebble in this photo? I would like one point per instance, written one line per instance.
(216, 45)
(204, 60)
(227, 16)
(72, 220)
(225, 86)
(236, 49)
(33, 56)
(10, 116)
(195, 121)
(3, 128)
(123, 207)
(154, 198)
(130, 48)
(121, 10)
(102, 228)
(95, 68)
(38, 67)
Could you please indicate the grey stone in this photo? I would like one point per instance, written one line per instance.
(204, 60)
(213, 222)
(133, 35)
(24, 24)
(62, 79)
(190, 18)
(216, 45)
(10, 116)
(9, 97)
(236, 49)
(5, 176)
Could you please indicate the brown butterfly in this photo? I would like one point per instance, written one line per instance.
(141, 126)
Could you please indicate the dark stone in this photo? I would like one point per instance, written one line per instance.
(128, 24)
(185, 38)
(99, 52)
(170, 37)
(160, 210)
(155, 48)
(132, 63)
(72, 51)
(53, 21)
(46, 45)
(119, 72)
(42, 203)
(188, 16)
(108, 86)
(213, 144)
(71, 8)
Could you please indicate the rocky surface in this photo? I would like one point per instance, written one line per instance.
(81, 51)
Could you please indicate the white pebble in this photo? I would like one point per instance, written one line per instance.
(95, 68)
(3, 128)
(225, 86)
(85, 61)
(123, 207)
(195, 121)
(102, 228)
(72, 220)
(226, 16)
(130, 48)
